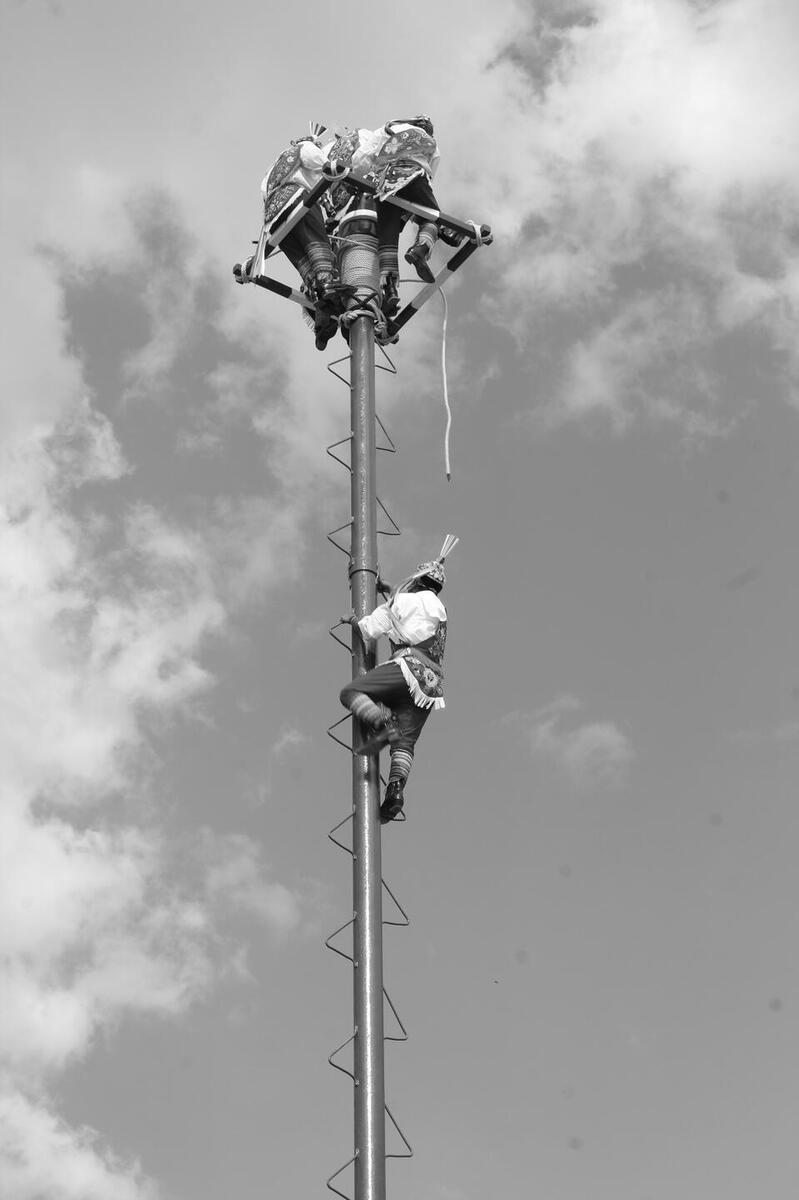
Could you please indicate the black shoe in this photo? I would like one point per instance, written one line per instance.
(378, 737)
(417, 256)
(323, 332)
(391, 807)
(373, 742)
(324, 325)
(390, 302)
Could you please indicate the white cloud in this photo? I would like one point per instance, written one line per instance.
(256, 543)
(41, 1156)
(646, 360)
(236, 875)
(103, 621)
(287, 742)
(288, 739)
(641, 172)
(88, 637)
(785, 733)
(592, 754)
(84, 217)
(168, 270)
(90, 934)
(36, 371)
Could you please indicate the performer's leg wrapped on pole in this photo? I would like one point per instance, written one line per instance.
(381, 700)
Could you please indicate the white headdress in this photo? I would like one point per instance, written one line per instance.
(434, 569)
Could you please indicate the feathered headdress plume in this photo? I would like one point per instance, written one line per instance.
(435, 568)
(317, 129)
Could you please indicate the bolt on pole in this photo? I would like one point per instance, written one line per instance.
(359, 266)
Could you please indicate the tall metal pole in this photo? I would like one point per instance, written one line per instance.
(360, 272)
(360, 267)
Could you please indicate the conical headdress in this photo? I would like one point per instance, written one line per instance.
(434, 569)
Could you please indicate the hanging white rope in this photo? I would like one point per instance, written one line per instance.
(447, 466)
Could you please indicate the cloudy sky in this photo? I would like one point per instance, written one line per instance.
(600, 979)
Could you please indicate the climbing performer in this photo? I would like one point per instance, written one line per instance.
(295, 171)
(395, 699)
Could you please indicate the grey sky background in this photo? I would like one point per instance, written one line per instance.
(600, 980)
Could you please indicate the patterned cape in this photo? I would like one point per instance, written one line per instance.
(405, 155)
(278, 193)
(390, 158)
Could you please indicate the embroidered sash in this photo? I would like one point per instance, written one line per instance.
(421, 666)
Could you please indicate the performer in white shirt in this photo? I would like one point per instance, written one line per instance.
(397, 697)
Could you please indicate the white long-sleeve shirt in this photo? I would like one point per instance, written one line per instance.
(411, 618)
(367, 149)
(417, 616)
(375, 145)
(311, 161)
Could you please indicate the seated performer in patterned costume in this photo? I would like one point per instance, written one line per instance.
(405, 164)
(397, 697)
(401, 158)
(307, 246)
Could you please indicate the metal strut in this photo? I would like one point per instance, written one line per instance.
(370, 998)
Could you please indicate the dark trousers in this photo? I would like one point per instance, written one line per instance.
(386, 685)
(391, 219)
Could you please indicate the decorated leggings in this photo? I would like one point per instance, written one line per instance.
(383, 692)
(308, 248)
